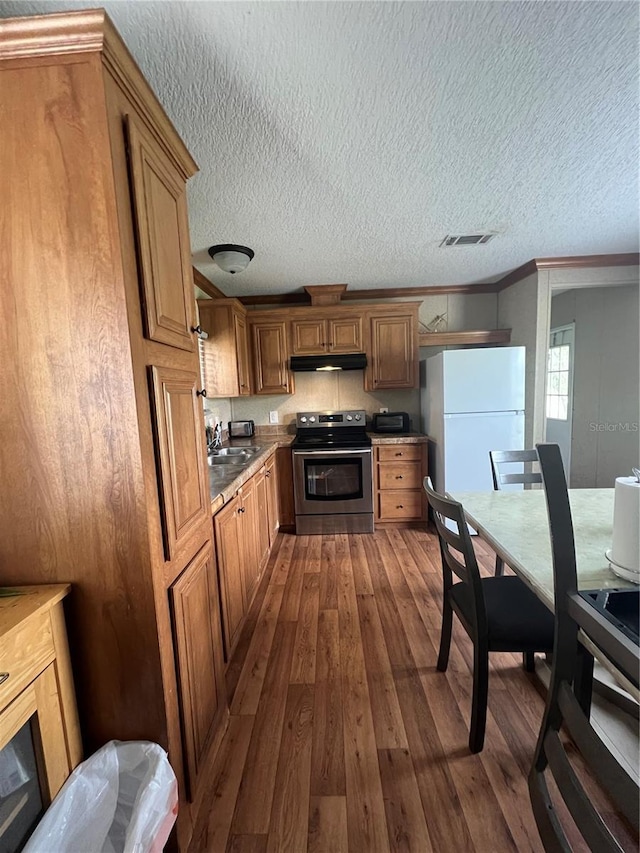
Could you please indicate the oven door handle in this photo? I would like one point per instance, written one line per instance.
(334, 451)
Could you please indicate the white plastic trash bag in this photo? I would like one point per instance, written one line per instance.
(123, 799)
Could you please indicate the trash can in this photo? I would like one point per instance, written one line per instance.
(123, 799)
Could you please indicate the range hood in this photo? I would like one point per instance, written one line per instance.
(352, 361)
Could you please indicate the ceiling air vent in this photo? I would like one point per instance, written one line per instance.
(466, 239)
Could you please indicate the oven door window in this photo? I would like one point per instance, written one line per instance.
(332, 479)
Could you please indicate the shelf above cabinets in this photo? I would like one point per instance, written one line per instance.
(474, 336)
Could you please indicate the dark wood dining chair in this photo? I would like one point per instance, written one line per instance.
(500, 614)
(501, 462)
(564, 708)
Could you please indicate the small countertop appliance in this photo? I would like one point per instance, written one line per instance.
(241, 429)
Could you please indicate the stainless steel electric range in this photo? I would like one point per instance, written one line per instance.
(332, 473)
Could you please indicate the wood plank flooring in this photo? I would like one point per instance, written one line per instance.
(343, 736)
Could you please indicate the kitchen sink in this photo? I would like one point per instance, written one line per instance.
(234, 451)
(238, 459)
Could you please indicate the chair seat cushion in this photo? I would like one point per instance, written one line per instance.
(517, 620)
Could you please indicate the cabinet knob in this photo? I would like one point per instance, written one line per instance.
(202, 393)
(398, 476)
(267, 473)
(399, 506)
(241, 509)
(3, 677)
(197, 330)
(399, 453)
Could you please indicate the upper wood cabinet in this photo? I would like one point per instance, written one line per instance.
(183, 479)
(310, 336)
(393, 356)
(201, 689)
(226, 350)
(162, 228)
(271, 374)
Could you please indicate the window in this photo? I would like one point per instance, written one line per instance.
(558, 378)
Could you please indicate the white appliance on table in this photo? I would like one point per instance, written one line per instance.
(473, 402)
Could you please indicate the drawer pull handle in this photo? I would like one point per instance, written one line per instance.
(3, 677)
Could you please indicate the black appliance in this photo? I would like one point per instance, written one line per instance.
(391, 422)
(306, 363)
(332, 473)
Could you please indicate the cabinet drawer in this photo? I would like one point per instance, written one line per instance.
(24, 653)
(401, 504)
(403, 452)
(399, 475)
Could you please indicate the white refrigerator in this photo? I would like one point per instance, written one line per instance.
(473, 402)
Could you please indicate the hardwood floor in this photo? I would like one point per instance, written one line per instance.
(343, 736)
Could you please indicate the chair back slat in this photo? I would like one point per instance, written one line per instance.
(592, 827)
(510, 457)
(525, 477)
(620, 650)
(611, 775)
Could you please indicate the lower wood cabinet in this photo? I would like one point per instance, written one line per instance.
(286, 505)
(273, 501)
(399, 472)
(39, 734)
(201, 688)
(244, 531)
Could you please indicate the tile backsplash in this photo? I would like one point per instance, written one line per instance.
(323, 391)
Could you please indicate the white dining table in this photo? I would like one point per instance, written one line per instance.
(516, 526)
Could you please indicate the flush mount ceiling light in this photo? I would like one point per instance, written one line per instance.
(231, 258)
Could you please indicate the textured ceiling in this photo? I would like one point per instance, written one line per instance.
(341, 141)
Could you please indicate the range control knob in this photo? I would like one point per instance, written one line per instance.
(349, 418)
(312, 419)
(303, 420)
(357, 417)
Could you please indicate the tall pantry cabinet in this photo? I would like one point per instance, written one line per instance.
(102, 451)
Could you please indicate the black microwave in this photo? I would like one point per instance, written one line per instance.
(391, 422)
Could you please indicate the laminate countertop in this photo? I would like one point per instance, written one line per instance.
(398, 438)
(225, 480)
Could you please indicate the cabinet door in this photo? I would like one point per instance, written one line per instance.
(33, 724)
(308, 336)
(249, 525)
(183, 477)
(286, 508)
(271, 476)
(198, 649)
(242, 354)
(160, 214)
(394, 353)
(229, 551)
(345, 334)
(262, 519)
(271, 358)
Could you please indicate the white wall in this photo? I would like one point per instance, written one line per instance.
(606, 378)
(524, 308)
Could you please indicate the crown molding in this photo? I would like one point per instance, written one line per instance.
(206, 286)
(567, 262)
